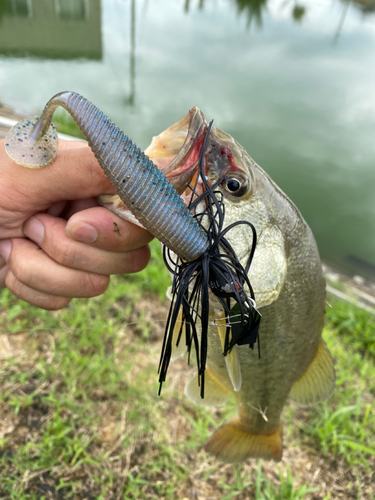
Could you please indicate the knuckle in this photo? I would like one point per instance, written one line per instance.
(65, 254)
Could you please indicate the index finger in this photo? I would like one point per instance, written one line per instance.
(112, 232)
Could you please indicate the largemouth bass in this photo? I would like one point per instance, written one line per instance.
(285, 274)
(289, 287)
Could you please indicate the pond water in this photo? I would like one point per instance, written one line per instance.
(292, 80)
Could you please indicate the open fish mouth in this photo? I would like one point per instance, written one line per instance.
(176, 151)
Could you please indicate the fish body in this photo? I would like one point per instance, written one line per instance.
(289, 287)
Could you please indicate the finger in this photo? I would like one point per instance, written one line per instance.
(57, 208)
(3, 272)
(49, 233)
(5, 249)
(35, 269)
(74, 174)
(34, 297)
(79, 205)
(103, 229)
(66, 209)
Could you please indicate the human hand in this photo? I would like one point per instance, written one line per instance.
(56, 242)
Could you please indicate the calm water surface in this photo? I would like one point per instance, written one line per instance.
(292, 81)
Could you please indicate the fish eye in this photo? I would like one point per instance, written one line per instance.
(235, 184)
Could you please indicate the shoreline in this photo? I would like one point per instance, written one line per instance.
(353, 289)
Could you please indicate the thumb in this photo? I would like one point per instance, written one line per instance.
(74, 174)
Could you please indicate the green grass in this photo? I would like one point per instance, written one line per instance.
(263, 488)
(355, 326)
(345, 425)
(65, 124)
(80, 416)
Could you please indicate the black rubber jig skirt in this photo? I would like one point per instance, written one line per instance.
(218, 271)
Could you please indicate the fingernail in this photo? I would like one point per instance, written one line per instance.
(81, 231)
(5, 248)
(34, 230)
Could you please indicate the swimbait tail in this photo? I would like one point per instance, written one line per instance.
(140, 184)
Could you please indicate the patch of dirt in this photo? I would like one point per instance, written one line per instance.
(126, 449)
(150, 313)
(22, 345)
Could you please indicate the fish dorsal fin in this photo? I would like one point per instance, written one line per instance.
(318, 381)
(232, 360)
(215, 394)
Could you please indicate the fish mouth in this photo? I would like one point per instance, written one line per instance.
(177, 150)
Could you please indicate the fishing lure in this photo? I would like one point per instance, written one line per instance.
(217, 269)
(140, 184)
(196, 250)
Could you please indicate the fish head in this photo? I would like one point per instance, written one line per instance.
(248, 194)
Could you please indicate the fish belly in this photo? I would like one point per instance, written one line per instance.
(289, 336)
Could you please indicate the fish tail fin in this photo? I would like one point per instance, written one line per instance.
(231, 443)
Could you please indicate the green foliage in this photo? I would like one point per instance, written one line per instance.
(355, 326)
(261, 488)
(345, 425)
(63, 392)
(87, 422)
(65, 124)
(265, 490)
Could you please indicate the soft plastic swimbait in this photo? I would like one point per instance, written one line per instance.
(143, 188)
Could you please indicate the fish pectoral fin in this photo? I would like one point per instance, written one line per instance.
(232, 444)
(179, 347)
(215, 394)
(234, 369)
(232, 360)
(318, 381)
